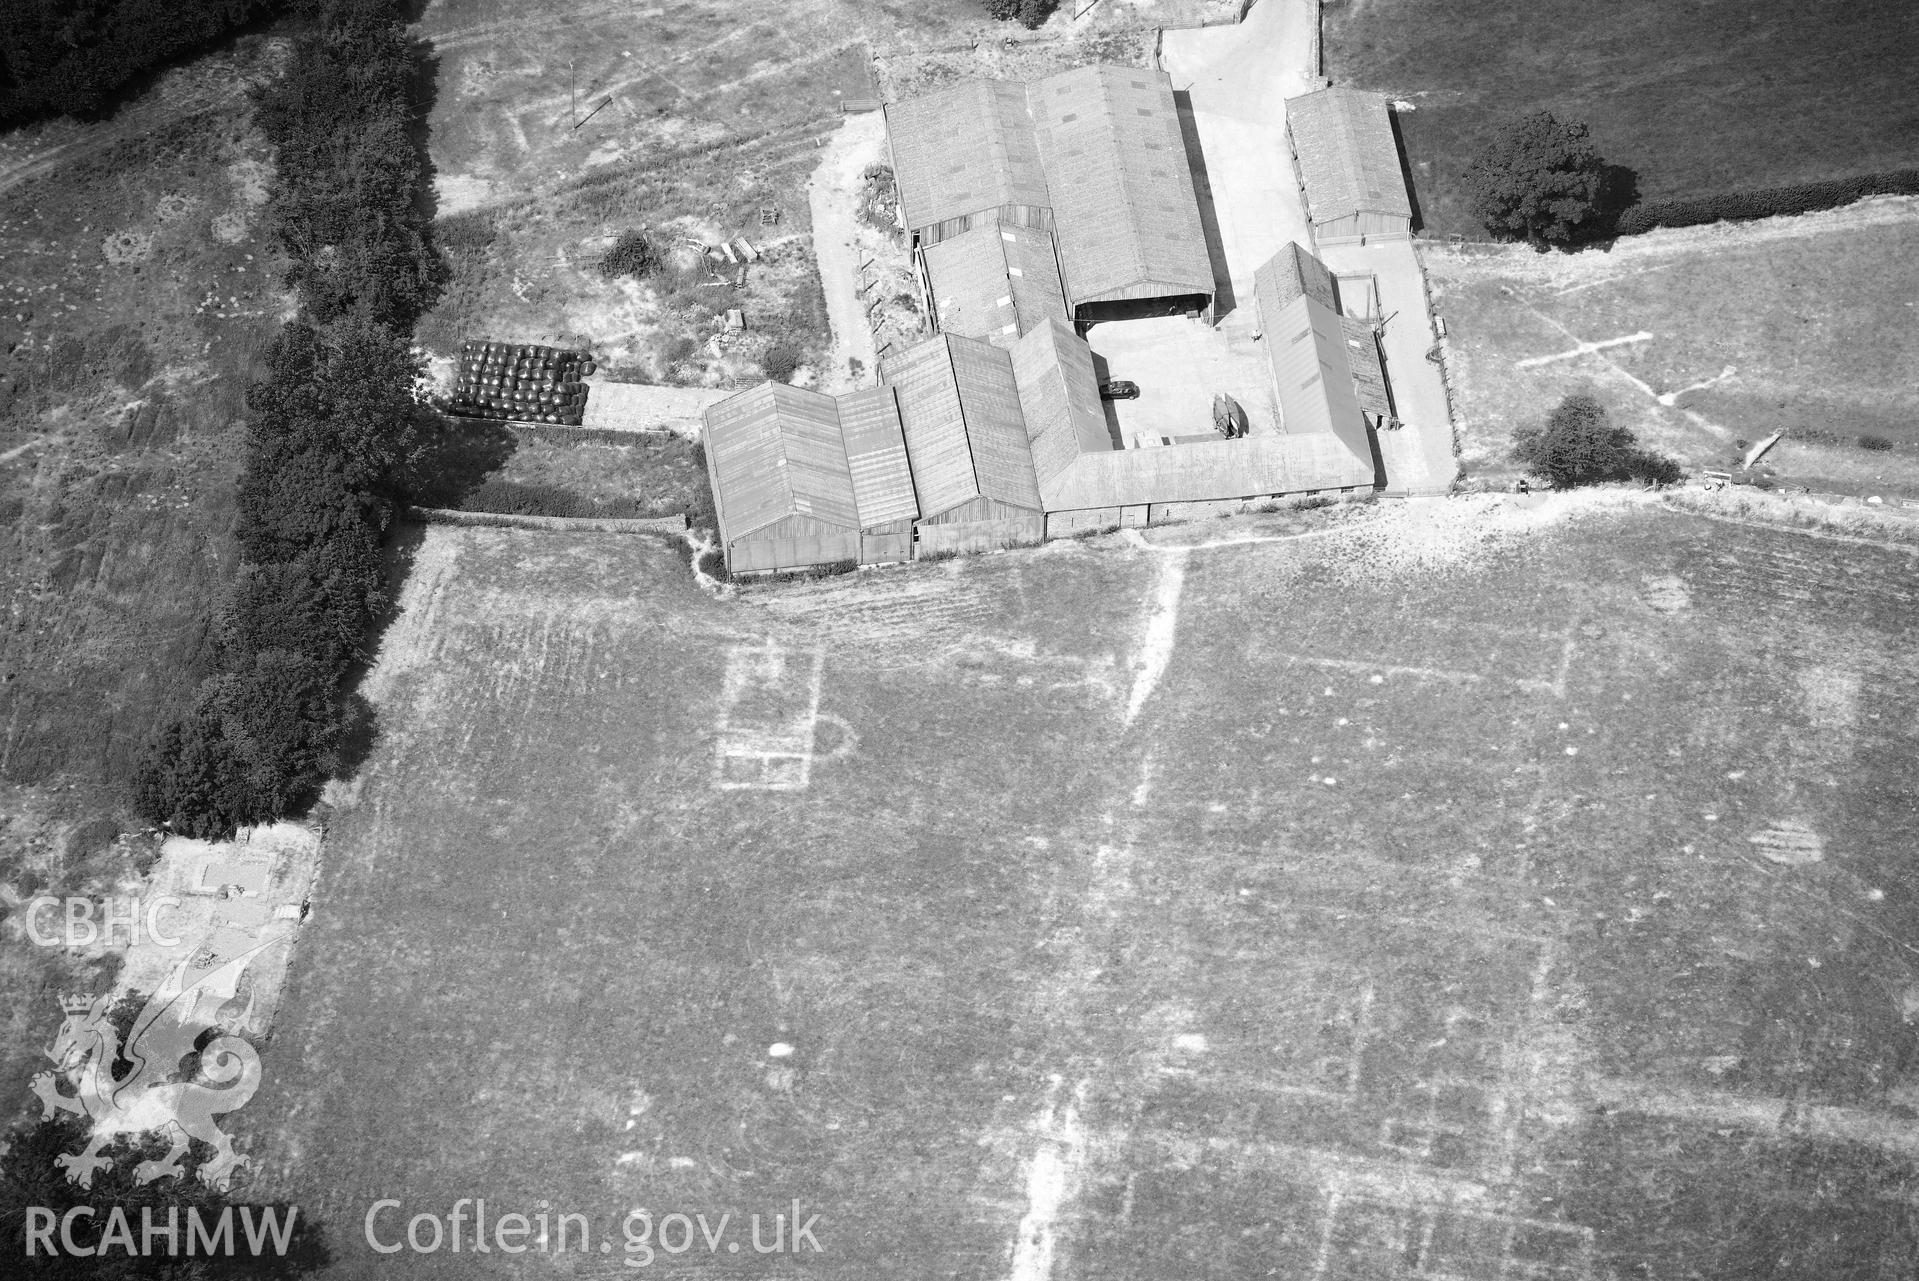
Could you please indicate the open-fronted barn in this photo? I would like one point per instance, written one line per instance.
(966, 441)
(1348, 165)
(1125, 212)
(800, 479)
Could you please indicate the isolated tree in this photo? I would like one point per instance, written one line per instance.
(1579, 445)
(1540, 179)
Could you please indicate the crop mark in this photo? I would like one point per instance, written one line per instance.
(1385, 669)
(1156, 647)
(1362, 1236)
(769, 714)
(1584, 349)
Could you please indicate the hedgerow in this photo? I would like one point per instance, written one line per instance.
(1766, 202)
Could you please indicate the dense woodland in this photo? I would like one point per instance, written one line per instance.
(332, 434)
(70, 57)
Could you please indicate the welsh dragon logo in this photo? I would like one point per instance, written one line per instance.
(148, 1098)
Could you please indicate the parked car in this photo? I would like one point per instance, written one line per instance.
(1119, 389)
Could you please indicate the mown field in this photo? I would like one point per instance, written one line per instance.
(1799, 325)
(1698, 98)
(1458, 888)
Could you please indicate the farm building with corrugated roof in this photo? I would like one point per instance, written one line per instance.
(967, 444)
(964, 157)
(1348, 165)
(1125, 213)
(1325, 365)
(799, 478)
(1095, 156)
(995, 283)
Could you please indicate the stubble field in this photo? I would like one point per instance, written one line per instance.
(1461, 890)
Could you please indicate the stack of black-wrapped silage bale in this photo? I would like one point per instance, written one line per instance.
(523, 382)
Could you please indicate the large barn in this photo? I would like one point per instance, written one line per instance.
(1348, 164)
(1093, 156)
(801, 479)
(1125, 213)
(1326, 366)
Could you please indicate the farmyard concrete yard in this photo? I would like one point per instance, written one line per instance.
(1446, 897)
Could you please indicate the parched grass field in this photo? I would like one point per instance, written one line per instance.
(1471, 889)
(1802, 325)
(1696, 98)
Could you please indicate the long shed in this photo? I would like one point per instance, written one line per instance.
(1328, 378)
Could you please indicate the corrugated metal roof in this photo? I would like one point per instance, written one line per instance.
(963, 149)
(1059, 395)
(1002, 457)
(995, 283)
(1123, 202)
(1348, 161)
(1362, 354)
(1290, 273)
(1303, 333)
(965, 435)
(1250, 467)
(776, 451)
(876, 457)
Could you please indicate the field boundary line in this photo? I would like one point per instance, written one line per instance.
(1786, 526)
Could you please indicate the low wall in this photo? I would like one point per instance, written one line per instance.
(671, 525)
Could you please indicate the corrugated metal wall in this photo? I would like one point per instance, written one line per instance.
(1036, 216)
(884, 544)
(794, 543)
(981, 526)
(1363, 225)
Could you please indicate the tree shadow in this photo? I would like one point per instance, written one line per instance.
(1406, 174)
(1618, 192)
(1224, 300)
(459, 454)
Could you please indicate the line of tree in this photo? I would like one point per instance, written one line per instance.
(332, 432)
(70, 57)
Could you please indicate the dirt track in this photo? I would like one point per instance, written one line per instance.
(834, 194)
